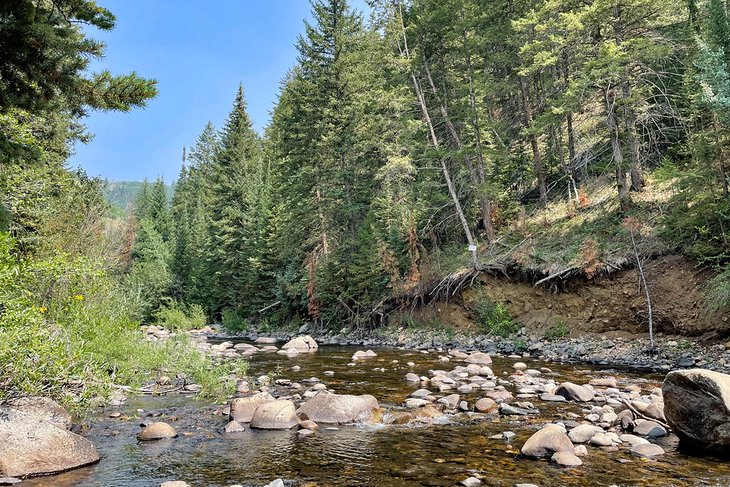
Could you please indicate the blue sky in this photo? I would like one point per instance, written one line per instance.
(198, 52)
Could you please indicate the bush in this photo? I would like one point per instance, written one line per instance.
(558, 330)
(69, 331)
(233, 321)
(179, 317)
(494, 317)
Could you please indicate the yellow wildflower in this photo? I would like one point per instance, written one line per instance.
(79, 297)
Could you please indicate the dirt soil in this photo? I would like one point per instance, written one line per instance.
(612, 304)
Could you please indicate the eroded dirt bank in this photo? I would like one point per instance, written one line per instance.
(600, 305)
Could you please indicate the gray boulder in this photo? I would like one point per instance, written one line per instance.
(697, 407)
(574, 392)
(302, 344)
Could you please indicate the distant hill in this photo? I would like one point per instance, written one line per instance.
(121, 194)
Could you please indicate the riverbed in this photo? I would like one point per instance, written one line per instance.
(441, 454)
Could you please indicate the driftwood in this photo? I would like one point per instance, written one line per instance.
(641, 415)
(557, 274)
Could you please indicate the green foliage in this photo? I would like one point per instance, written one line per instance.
(67, 326)
(717, 293)
(557, 330)
(233, 321)
(494, 317)
(179, 317)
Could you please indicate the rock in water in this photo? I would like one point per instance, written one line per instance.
(157, 431)
(566, 459)
(574, 392)
(550, 439)
(339, 408)
(302, 344)
(242, 408)
(276, 415)
(647, 450)
(32, 446)
(43, 408)
(480, 358)
(697, 407)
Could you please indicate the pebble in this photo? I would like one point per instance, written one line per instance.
(471, 482)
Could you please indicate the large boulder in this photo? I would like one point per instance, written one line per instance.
(31, 446)
(43, 408)
(242, 408)
(550, 439)
(697, 407)
(339, 408)
(574, 392)
(276, 415)
(301, 344)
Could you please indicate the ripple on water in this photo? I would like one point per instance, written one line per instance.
(397, 456)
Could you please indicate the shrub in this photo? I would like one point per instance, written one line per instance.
(494, 317)
(181, 317)
(68, 330)
(233, 321)
(558, 330)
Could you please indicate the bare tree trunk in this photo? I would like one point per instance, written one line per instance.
(637, 177)
(642, 276)
(434, 141)
(621, 183)
(537, 162)
(484, 199)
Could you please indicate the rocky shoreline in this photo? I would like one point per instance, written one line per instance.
(633, 351)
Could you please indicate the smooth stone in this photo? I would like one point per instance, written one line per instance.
(303, 343)
(32, 446)
(234, 427)
(485, 405)
(633, 440)
(550, 439)
(158, 430)
(479, 358)
(649, 428)
(242, 408)
(583, 433)
(601, 440)
(411, 377)
(647, 450)
(574, 392)
(42, 408)
(566, 459)
(175, 483)
(471, 482)
(339, 408)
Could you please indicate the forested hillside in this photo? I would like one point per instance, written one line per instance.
(123, 194)
(543, 138)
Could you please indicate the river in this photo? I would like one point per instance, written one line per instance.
(440, 454)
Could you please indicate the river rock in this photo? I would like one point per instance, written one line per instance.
(411, 377)
(633, 440)
(697, 407)
(550, 439)
(234, 427)
(242, 408)
(339, 408)
(566, 459)
(583, 433)
(601, 439)
(158, 430)
(413, 402)
(603, 382)
(265, 340)
(485, 405)
(302, 344)
(655, 410)
(479, 358)
(33, 446)
(42, 408)
(574, 392)
(471, 482)
(276, 483)
(647, 450)
(174, 483)
(649, 428)
(359, 355)
(275, 415)
(451, 401)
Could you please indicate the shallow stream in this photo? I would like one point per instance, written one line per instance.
(433, 455)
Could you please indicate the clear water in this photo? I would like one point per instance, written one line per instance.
(436, 455)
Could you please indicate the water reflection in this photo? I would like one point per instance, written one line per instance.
(437, 455)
